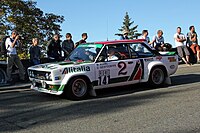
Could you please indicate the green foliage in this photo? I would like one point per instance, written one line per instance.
(28, 20)
(127, 23)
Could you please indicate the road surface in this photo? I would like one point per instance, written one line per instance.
(133, 109)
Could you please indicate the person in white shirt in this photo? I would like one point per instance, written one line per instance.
(111, 55)
(182, 50)
(12, 58)
(145, 36)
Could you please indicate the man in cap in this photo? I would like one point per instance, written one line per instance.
(12, 58)
(125, 35)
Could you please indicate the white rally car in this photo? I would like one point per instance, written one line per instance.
(101, 65)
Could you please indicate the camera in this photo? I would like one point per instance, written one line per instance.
(21, 37)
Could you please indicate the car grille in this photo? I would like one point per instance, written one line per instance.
(40, 75)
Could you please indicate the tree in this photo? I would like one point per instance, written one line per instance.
(127, 27)
(28, 20)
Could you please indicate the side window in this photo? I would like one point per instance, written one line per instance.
(139, 50)
(114, 52)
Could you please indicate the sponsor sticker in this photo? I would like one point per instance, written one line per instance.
(159, 58)
(172, 59)
(148, 59)
(76, 69)
(105, 65)
(172, 66)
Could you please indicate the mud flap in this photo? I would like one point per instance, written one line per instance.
(92, 92)
(168, 80)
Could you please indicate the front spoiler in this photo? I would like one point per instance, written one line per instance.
(46, 90)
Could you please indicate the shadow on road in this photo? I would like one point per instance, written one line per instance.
(176, 80)
(22, 110)
(185, 79)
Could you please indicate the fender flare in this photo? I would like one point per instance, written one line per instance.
(159, 64)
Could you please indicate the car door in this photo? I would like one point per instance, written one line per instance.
(117, 72)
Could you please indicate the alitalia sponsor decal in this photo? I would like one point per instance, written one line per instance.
(76, 69)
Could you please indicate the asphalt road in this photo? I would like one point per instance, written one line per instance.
(133, 109)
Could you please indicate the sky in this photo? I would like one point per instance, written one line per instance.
(101, 19)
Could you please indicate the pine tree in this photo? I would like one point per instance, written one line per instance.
(127, 27)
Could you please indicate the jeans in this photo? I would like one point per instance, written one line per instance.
(11, 61)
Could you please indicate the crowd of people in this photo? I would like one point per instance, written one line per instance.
(183, 43)
(55, 47)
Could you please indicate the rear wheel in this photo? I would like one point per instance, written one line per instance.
(77, 89)
(157, 77)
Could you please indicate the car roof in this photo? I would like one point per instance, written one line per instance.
(121, 41)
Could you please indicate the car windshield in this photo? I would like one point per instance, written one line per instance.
(85, 52)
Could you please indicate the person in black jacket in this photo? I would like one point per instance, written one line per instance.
(83, 40)
(35, 52)
(67, 45)
(54, 49)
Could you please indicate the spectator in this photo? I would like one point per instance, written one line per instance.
(193, 42)
(179, 39)
(158, 41)
(12, 58)
(125, 35)
(83, 40)
(145, 36)
(54, 49)
(67, 45)
(35, 52)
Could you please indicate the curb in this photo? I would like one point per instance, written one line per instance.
(184, 65)
(16, 86)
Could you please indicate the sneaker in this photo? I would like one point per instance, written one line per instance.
(189, 64)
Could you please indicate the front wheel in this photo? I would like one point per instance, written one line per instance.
(157, 77)
(77, 89)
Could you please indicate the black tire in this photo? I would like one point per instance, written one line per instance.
(2, 76)
(77, 89)
(157, 77)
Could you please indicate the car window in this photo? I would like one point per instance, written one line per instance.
(85, 52)
(139, 50)
(114, 52)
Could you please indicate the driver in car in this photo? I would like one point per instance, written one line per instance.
(111, 54)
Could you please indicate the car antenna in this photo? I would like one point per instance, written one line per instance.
(107, 29)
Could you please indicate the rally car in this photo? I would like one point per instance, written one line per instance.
(101, 65)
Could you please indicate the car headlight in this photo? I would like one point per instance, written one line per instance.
(48, 76)
(31, 74)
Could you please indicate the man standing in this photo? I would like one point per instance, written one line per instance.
(12, 57)
(193, 42)
(67, 45)
(83, 40)
(54, 49)
(179, 39)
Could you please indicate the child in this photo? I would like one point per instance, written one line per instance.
(35, 52)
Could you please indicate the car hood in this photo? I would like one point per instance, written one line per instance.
(55, 65)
